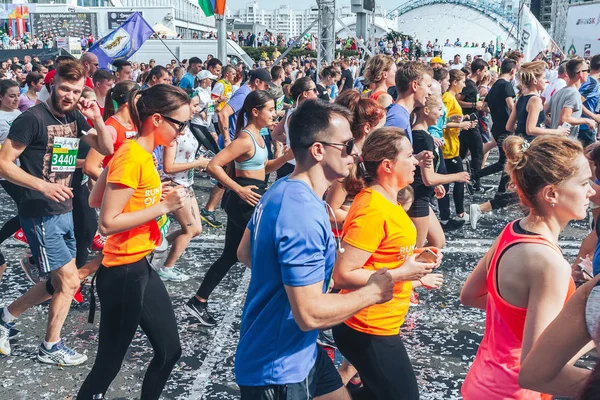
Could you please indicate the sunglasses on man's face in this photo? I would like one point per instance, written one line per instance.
(180, 125)
(348, 147)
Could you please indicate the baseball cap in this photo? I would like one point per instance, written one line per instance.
(437, 60)
(262, 74)
(206, 74)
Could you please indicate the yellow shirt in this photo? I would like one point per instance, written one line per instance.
(227, 89)
(382, 228)
(452, 147)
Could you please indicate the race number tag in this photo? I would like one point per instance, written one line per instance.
(163, 225)
(279, 103)
(64, 154)
(210, 108)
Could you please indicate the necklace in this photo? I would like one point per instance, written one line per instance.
(54, 116)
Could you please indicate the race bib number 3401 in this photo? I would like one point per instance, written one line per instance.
(64, 154)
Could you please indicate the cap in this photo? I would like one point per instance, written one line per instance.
(262, 74)
(206, 74)
(195, 60)
(437, 60)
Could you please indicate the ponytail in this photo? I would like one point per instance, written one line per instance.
(109, 105)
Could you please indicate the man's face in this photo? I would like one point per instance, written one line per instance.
(261, 85)
(37, 86)
(230, 75)
(216, 70)
(126, 74)
(66, 95)
(423, 90)
(163, 79)
(152, 63)
(104, 86)
(18, 75)
(92, 64)
(456, 60)
(26, 59)
(195, 68)
(15, 60)
(336, 162)
(288, 69)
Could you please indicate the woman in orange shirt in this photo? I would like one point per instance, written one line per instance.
(379, 234)
(380, 71)
(523, 281)
(133, 217)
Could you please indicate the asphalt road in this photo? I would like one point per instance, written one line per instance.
(440, 334)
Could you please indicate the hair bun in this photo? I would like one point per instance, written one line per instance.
(514, 148)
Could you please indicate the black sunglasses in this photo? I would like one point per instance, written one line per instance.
(181, 125)
(348, 147)
(585, 70)
(315, 90)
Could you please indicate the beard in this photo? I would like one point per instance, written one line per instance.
(57, 106)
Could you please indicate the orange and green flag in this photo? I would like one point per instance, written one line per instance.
(212, 7)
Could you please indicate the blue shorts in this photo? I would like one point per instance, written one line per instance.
(51, 239)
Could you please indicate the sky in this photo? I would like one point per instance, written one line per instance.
(294, 4)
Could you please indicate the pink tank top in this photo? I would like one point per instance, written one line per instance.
(495, 371)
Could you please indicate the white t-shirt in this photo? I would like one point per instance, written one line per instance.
(6, 120)
(187, 145)
(205, 102)
(218, 90)
(552, 88)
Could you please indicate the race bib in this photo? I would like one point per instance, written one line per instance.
(210, 108)
(163, 225)
(64, 154)
(279, 103)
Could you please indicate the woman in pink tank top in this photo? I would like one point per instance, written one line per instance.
(523, 281)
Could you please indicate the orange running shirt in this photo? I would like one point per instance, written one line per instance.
(132, 166)
(120, 134)
(495, 372)
(382, 228)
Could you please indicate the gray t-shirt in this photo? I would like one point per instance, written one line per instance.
(567, 97)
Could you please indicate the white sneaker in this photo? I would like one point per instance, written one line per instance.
(159, 255)
(171, 274)
(4, 337)
(475, 215)
(60, 355)
(465, 218)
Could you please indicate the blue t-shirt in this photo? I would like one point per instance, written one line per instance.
(235, 102)
(187, 81)
(399, 117)
(591, 91)
(286, 250)
(437, 130)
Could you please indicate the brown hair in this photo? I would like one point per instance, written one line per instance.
(158, 99)
(547, 161)
(410, 71)
(530, 72)
(365, 111)
(383, 144)
(70, 71)
(376, 66)
(572, 66)
(456, 75)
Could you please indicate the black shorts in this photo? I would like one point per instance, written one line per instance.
(419, 208)
(322, 379)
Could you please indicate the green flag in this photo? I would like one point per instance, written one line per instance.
(207, 7)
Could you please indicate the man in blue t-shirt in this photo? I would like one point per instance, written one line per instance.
(291, 249)
(188, 81)
(590, 92)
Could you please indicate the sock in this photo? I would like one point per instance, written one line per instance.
(48, 345)
(444, 221)
(7, 317)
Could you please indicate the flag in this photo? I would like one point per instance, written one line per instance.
(123, 42)
(219, 6)
(207, 6)
(533, 37)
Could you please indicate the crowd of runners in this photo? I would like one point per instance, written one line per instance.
(338, 197)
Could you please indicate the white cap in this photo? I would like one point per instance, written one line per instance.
(206, 74)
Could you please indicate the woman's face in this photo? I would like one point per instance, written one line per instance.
(311, 92)
(391, 76)
(265, 116)
(368, 128)
(405, 165)
(434, 114)
(10, 100)
(540, 83)
(195, 105)
(445, 83)
(573, 195)
(168, 131)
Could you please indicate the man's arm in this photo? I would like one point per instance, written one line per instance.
(98, 137)
(223, 117)
(243, 252)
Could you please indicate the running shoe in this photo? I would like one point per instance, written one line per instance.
(20, 236)
(475, 215)
(414, 299)
(60, 355)
(78, 297)
(172, 274)
(200, 310)
(32, 272)
(325, 339)
(13, 333)
(465, 217)
(452, 225)
(209, 218)
(98, 242)
(5, 329)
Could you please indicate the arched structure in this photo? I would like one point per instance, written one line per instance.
(381, 26)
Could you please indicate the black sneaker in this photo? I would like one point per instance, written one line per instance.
(452, 225)
(210, 219)
(199, 310)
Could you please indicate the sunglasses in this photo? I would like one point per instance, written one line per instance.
(96, 64)
(348, 146)
(314, 90)
(181, 125)
(585, 70)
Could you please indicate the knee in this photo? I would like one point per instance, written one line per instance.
(170, 355)
(66, 283)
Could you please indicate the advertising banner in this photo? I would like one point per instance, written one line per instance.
(583, 30)
(64, 24)
(116, 18)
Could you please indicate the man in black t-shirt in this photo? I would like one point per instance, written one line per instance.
(471, 140)
(347, 81)
(45, 140)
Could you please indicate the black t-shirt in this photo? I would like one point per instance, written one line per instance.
(348, 82)
(77, 180)
(323, 95)
(496, 100)
(469, 93)
(287, 81)
(50, 154)
(422, 140)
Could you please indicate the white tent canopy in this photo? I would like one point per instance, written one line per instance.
(162, 30)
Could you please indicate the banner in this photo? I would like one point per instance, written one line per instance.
(116, 18)
(582, 36)
(533, 38)
(123, 42)
(64, 24)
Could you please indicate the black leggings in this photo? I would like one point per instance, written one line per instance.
(453, 165)
(498, 165)
(85, 224)
(133, 295)
(471, 141)
(238, 215)
(11, 226)
(381, 361)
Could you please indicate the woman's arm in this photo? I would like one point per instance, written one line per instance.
(171, 167)
(97, 193)
(474, 292)
(534, 107)
(432, 178)
(278, 133)
(274, 165)
(511, 124)
(547, 367)
(93, 164)
(336, 196)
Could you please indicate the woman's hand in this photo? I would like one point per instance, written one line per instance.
(412, 270)
(432, 281)
(440, 191)
(245, 193)
(175, 199)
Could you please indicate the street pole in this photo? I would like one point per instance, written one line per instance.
(221, 23)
